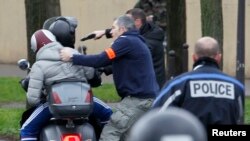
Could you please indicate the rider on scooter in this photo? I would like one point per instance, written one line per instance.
(64, 30)
(31, 127)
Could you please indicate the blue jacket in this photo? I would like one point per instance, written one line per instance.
(132, 65)
(214, 97)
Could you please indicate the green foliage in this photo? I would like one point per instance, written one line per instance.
(107, 93)
(9, 119)
(11, 90)
(247, 110)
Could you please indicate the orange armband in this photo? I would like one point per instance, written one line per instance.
(110, 52)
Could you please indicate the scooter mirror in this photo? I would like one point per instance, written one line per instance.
(23, 64)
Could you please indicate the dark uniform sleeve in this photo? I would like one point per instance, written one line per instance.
(119, 48)
(170, 95)
(99, 60)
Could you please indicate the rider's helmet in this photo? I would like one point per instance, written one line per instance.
(63, 28)
(174, 124)
(41, 38)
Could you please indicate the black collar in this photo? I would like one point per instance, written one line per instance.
(206, 61)
(145, 28)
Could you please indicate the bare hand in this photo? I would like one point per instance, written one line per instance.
(66, 54)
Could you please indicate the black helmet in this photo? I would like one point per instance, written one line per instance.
(171, 125)
(63, 28)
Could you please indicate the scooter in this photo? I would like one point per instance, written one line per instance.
(70, 102)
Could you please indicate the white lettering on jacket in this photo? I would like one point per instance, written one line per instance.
(211, 88)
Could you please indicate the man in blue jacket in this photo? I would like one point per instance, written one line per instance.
(154, 37)
(213, 96)
(133, 75)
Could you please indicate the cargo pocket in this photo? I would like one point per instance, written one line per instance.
(125, 116)
(145, 105)
(120, 120)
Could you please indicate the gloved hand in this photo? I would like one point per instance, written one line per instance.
(106, 70)
(25, 83)
(96, 80)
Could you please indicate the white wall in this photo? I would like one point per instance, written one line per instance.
(12, 31)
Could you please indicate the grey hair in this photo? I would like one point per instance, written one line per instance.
(126, 22)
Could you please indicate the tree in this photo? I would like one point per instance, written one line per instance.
(37, 11)
(212, 21)
(176, 31)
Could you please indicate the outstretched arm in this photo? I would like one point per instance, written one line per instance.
(96, 61)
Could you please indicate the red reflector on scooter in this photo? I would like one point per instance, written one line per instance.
(89, 96)
(71, 137)
(56, 98)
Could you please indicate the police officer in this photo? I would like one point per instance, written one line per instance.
(213, 96)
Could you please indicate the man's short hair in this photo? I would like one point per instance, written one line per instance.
(138, 13)
(126, 22)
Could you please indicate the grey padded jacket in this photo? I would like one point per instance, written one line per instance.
(49, 68)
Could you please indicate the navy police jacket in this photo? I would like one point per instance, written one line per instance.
(132, 65)
(214, 97)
